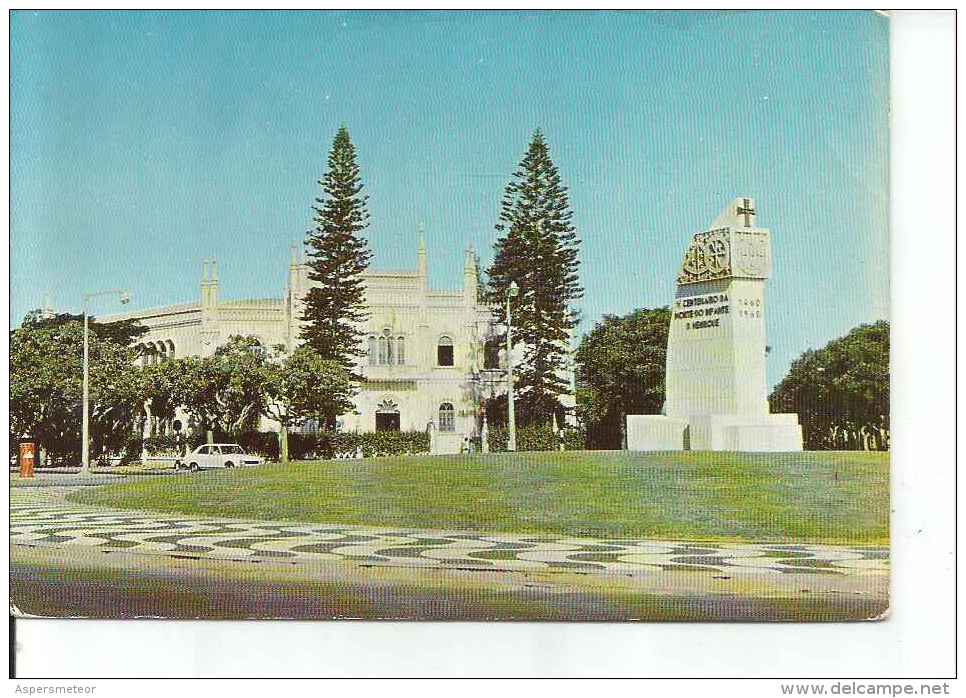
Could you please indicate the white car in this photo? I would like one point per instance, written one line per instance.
(219, 456)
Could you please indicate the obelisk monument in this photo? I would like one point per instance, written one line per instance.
(716, 396)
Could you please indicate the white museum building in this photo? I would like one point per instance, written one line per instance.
(431, 354)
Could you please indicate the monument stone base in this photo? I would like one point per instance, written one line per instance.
(756, 433)
(445, 443)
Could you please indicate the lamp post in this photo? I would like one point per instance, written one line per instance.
(484, 391)
(86, 433)
(512, 292)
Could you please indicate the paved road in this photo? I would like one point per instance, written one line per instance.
(42, 517)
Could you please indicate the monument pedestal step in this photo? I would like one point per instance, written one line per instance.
(714, 432)
(445, 443)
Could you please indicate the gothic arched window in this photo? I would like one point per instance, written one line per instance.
(444, 351)
(447, 417)
(373, 351)
(383, 351)
(390, 353)
(400, 350)
(491, 354)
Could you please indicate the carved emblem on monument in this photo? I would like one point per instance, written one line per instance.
(708, 258)
(751, 255)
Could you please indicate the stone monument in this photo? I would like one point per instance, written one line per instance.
(715, 389)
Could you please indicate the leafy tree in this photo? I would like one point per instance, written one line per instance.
(122, 332)
(193, 383)
(222, 391)
(240, 361)
(537, 249)
(338, 255)
(46, 384)
(161, 385)
(620, 371)
(841, 392)
(303, 385)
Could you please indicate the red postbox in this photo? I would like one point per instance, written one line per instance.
(28, 453)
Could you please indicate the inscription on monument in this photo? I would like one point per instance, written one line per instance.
(750, 254)
(702, 311)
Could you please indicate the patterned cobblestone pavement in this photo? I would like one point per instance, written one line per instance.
(42, 517)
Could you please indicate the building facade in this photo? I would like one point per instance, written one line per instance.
(430, 355)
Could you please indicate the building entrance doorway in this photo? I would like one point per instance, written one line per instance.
(387, 421)
(387, 415)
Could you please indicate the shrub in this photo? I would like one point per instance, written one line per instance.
(575, 439)
(161, 445)
(198, 436)
(345, 444)
(536, 437)
(264, 443)
(132, 449)
(497, 438)
(303, 446)
(325, 444)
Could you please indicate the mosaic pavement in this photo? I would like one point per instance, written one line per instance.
(42, 517)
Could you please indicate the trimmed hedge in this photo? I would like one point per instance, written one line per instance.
(345, 444)
(342, 444)
(264, 443)
(324, 445)
(536, 437)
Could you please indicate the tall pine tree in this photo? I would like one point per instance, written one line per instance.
(537, 249)
(338, 255)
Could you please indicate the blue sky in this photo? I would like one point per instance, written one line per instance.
(142, 143)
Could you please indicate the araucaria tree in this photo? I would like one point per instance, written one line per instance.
(338, 255)
(538, 249)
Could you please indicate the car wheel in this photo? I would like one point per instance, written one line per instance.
(229, 464)
(193, 467)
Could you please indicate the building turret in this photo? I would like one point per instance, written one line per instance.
(293, 273)
(209, 305)
(470, 277)
(204, 284)
(422, 266)
(213, 288)
(293, 292)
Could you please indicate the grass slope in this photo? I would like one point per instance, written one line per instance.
(802, 497)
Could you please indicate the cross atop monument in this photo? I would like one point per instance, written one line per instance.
(747, 210)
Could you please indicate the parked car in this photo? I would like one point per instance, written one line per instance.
(219, 456)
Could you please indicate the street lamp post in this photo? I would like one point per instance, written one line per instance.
(85, 428)
(484, 390)
(512, 292)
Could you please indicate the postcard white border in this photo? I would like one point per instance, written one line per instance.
(916, 641)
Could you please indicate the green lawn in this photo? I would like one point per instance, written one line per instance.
(800, 497)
